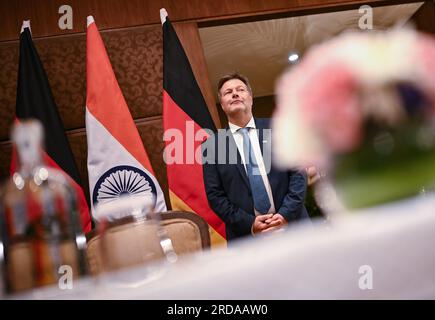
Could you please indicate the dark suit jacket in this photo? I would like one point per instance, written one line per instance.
(229, 192)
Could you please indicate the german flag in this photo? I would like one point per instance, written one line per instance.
(185, 111)
(35, 100)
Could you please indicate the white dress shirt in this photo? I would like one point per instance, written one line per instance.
(238, 138)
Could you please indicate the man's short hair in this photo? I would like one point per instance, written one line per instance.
(231, 76)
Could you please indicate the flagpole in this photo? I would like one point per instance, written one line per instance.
(89, 20)
(163, 15)
(26, 24)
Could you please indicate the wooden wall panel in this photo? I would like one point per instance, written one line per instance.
(137, 59)
(9, 19)
(424, 18)
(64, 61)
(111, 14)
(5, 159)
(8, 86)
(151, 132)
(79, 148)
(136, 56)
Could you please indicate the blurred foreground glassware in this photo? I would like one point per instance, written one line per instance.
(41, 238)
(129, 235)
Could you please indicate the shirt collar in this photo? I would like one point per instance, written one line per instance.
(234, 128)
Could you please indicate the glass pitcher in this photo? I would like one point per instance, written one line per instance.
(41, 237)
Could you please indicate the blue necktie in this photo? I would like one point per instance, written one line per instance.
(259, 193)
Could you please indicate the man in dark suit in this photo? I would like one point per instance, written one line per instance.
(243, 187)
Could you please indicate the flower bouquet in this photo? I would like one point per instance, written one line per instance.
(361, 107)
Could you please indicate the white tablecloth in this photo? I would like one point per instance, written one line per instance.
(321, 261)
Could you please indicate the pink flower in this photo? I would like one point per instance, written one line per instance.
(332, 109)
(324, 102)
(425, 52)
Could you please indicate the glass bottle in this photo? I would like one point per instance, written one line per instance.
(41, 237)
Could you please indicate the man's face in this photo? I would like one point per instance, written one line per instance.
(235, 97)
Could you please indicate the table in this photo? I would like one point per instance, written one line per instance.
(380, 253)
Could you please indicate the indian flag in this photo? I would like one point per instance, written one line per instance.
(118, 164)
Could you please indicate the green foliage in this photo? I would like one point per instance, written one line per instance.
(390, 165)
